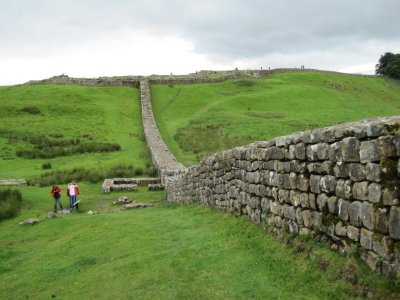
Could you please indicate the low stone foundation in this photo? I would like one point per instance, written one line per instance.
(127, 184)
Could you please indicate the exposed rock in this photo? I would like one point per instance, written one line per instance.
(30, 221)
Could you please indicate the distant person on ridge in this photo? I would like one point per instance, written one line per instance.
(72, 193)
(56, 194)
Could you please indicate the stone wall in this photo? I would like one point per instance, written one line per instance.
(341, 181)
(162, 158)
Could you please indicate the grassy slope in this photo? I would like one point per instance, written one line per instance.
(162, 252)
(109, 114)
(270, 107)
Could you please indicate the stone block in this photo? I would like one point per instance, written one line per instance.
(373, 172)
(341, 170)
(298, 166)
(299, 217)
(312, 198)
(306, 218)
(316, 220)
(333, 205)
(304, 200)
(323, 151)
(274, 153)
(369, 151)
(255, 202)
(328, 184)
(284, 196)
(353, 233)
(322, 202)
(265, 204)
(387, 146)
(302, 183)
(349, 150)
(324, 168)
(314, 184)
(312, 154)
(391, 194)
(343, 206)
(394, 222)
(360, 190)
(366, 239)
(389, 269)
(372, 260)
(300, 151)
(292, 152)
(368, 215)
(355, 213)
(276, 208)
(344, 189)
(292, 180)
(295, 198)
(340, 229)
(382, 220)
(383, 246)
(357, 172)
(375, 193)
(289, 212)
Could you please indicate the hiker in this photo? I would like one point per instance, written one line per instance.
(72, 193)
(56, 194)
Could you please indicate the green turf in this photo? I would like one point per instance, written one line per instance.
(161, 252)
(198, 120)
(100, 114)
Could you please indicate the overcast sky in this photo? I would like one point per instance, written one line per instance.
(91, 38)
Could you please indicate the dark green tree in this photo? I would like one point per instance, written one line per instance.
(389, 65)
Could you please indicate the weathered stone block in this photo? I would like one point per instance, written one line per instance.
(360, 190)
(355, 213)
(374, 193)
(333, 205)
(341, 170)
(357, 172)
(299, 217)
(265, 204)
(292, 180)
(314, 184)
(328, 184)
(383, 246)
(391, 194)
(371, 259)
(394, 222)
(340, 229)
(300, 151)
(368, 215)
(274, 153)
(382, 220)
(292, 152)
(324, 168)
(289, 212)
(276, 208)
(369, 151)
(304, 200)
(306, 218)
(312, 154)
(298, 166)
(344, 189)
(322, 202)
(353, 233)
(366, 239)
(343, 206)
(373, 172)
(302, 183)
(284, 196)
(387, 146)
(349, 150)
(312, 198)
(316, 219)
(255, 202)
(295, 198)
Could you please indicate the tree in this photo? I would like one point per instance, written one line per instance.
(389, 65)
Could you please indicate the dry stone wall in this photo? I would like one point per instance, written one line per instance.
(341, 181)
(162, 158)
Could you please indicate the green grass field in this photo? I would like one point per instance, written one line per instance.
(90, 114)
(164, 252)
(198, 120)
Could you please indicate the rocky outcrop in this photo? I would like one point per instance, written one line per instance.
(342, 181)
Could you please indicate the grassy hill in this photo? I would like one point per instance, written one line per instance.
(34, 116)
(197, 120)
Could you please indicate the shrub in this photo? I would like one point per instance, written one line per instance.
(46, 166)
(10, 203)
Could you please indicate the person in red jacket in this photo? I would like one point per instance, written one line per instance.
(55, 192)
(72, 193)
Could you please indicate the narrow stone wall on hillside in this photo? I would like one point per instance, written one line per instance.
(341, 181)
(162, 158)
(87, 81)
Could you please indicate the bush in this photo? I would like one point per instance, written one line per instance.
(92, 176)
(46, 166)
(10, 203)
